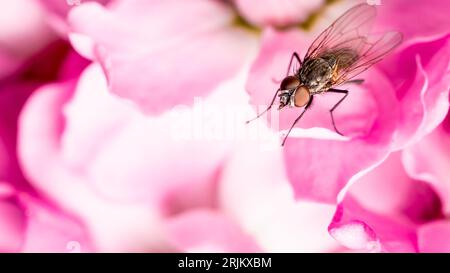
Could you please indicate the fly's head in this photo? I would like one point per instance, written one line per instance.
(292, 93)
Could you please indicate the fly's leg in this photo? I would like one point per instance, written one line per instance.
(297, 119)
(267, 109)
(345, 92)
(356, 81)
(294, 55)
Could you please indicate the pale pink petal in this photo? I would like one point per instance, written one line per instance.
(114, 134)
(358, 228)
(399, 15)
(159, 62)
(41, 125)
(384, 208)
(389, 191)
(277, 12)
(50, 230)
(120, 181)
(435, 237)
(255, 192)
(29, 225)
(61, 8)
(208, 231)
(56, 12)
(420, 75)
(46, 124)
(429, 160)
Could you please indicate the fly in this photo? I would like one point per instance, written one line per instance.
(341, 52)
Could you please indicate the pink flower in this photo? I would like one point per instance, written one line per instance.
(29, 221)
(132, 174)
(149, 199)
(146, 160)
(388, 210)
(127, 148)
(188, 56)
(159, 62)
(29, 224)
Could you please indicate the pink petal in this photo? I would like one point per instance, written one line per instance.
(255, 192)
(6, 189)
(384, 208)
(429, 160)
(56, 12)
(389, 191)
(421, 78)
(73, 65)
(41, 126)
(13, 95)
(435, 237)
(8, 63)
(29, 225)
(398, 15)
(50, 230)
(122, 135)
(277, 13)
(41, 119)
(358, 228)
(61, 8)
(208, 231)
(157, 56)
(12, 225)
(423, 101)
(98, 183)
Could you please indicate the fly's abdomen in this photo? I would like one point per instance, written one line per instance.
(340, 58)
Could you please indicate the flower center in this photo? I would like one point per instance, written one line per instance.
(241, 22)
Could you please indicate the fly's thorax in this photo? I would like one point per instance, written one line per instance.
(315, 74)
(341, 58)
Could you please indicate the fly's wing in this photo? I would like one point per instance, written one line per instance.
(348, 41)
(352, 25)
(369, 51)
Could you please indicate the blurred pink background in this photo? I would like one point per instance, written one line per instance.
(122, 129)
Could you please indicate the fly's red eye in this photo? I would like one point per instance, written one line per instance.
(302, 96)
(289, 83)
